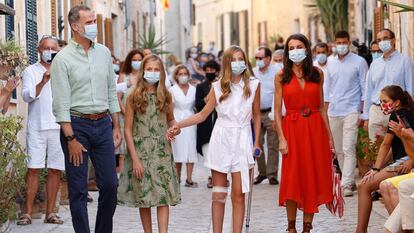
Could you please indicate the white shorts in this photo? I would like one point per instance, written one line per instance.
(41, 141)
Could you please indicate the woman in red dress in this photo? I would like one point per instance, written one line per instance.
(305, 139)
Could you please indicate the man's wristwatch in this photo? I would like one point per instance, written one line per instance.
(70, 138)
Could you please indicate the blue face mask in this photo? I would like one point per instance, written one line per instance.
(91, 31)
(297, 55)
(385, 45)
(342, 49)
(152, 77)
(376, 55)
(260, 63)
(135, 65)
(321, 58)
(238, 67)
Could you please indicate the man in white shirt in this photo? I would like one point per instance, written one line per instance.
(266, 73)
(321, 61)
(392, 68)
(344, 89)
(43, 133)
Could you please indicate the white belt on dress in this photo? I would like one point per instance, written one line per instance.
(243, 130)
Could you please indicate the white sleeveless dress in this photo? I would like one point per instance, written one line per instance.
(231, 143)
(184, 146)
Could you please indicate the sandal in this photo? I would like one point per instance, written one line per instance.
(24, 220)
(291, 225)
(191, 184)
(307, 227)
(53, 219)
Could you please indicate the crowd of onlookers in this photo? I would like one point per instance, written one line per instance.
(373, 92)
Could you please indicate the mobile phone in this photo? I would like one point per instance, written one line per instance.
(404, 121)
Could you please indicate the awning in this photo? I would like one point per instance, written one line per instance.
(6, 10)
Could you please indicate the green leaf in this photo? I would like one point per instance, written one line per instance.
(405, 8)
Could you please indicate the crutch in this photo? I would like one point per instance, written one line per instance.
(249, 198)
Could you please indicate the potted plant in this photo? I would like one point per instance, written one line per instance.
(12, 168)
(12, 59)
(367, 151)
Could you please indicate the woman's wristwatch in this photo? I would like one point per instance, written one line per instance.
(70, 138)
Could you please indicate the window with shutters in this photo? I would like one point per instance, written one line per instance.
(31, 31)
(9, 21)
(378, 20)
(78, 2)
(100, 30)
(234, 25)
(109, 35)
(134, 34)
(262, 33)
(53, 15)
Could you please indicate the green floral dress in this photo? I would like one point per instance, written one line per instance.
(159, 186)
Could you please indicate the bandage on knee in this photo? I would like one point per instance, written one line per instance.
(219, 194)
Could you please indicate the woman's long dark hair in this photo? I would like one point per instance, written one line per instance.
(395, 93)
(127, 67)
(310, 73)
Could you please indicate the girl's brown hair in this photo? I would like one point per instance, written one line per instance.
(177, 69)
(139, 95)
(395, 93)
(226, 73)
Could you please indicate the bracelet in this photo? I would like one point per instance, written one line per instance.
(375, 169)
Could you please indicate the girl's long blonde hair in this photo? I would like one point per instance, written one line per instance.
(226, 74)
(139, 95)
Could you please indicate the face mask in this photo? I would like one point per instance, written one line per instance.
(152, 77)
(376, 55)
(385, 45)
(47, 56)
(194, 55)
(135, 65)
(334, 50)
(342, 49)
(387, 108)
(210, 76)
(260, 63)
(297, 55)
(202, 64)
(91, 31)
(183, 79)
(116, 67)
(238, 67)
(321, 58)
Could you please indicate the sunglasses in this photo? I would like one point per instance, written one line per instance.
(49, 37)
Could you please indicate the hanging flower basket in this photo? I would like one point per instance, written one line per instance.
(13, 60)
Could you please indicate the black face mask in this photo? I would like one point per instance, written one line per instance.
(210, 76)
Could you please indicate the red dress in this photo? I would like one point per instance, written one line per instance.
(307, 168)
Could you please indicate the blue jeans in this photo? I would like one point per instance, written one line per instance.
(97, 138)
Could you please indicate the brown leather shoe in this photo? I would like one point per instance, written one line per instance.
(273, 181)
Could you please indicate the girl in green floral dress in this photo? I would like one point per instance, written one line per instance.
(149, 177)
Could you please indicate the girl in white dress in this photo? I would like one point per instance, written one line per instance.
(184, 145)
(236, 98)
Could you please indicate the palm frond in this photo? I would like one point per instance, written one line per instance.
(405, 8)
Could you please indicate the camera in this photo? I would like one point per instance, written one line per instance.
(363, 51)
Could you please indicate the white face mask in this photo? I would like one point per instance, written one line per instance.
(260, 63)
(47, 56)
(152, 77)
(321, 58)
(385, 45)
(342, 49)
(135, 65)
(297, 55)
(91, 31)
(116, 67)
(183, 79)
(238, 67)
(194, 55)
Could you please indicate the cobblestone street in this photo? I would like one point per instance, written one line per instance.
(193, 215)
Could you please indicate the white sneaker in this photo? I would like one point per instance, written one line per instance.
(347, 192)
